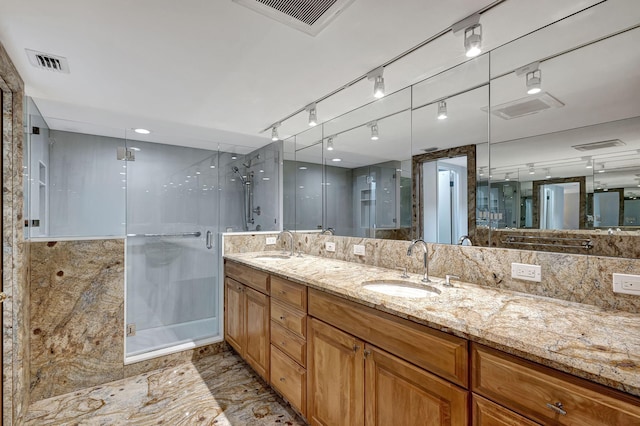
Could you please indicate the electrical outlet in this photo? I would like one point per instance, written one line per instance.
(271, 241)
(358, 250)
(626, 283)
(329, 246)
(523, 271)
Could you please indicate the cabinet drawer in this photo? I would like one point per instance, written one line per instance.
(542, 394)
(252, 277)
(487, 413)
(433, 350)
(289, 318)
(289, 343)
(289, 379)
(289, 292)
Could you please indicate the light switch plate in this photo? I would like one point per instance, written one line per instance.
(523, 271)
(626, 283)
(271, 241)
(358, 250)
(329, 246)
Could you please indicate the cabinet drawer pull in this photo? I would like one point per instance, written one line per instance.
(557, 407)
(356, 348)
(367, 352)
(282, 317)
(283, 292)
(282, 379)
(282, 344)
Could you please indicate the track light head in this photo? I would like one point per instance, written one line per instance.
(378, 82)
(313, 114)
(473, 41)
(374, 131)
(274, 132)
(330, 144)
(534, 82)
(442, 110)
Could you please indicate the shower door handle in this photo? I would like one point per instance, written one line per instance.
(209, 240)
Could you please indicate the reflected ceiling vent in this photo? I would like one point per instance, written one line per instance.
(598, 145)
(49, 62)
(310, 17)
(526, 106)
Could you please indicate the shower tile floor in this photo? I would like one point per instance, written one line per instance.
(217, 390)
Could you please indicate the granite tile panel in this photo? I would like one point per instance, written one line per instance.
(214, 390)
(588, 341)
(77, 315)
(15, 321)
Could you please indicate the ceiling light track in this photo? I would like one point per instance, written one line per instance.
(384, 65)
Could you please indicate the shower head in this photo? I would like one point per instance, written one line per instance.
(235, 169)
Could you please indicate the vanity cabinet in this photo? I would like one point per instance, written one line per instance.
(289, 341)
(247, 315)
(353, 382)
(487, 413)
(548, 396)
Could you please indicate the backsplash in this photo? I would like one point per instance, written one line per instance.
(571, 277)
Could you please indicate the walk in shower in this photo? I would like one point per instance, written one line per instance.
(172, 289)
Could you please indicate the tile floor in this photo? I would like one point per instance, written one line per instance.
(217, 390)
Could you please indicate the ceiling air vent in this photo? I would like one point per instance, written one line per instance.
(309, 16)
(49, 62)
(526, 106)
(598, 145)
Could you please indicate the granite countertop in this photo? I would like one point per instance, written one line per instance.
(584, 340)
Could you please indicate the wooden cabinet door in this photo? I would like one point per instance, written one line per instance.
(257, 343)
(335, 377)
(487, 413)
(401, 394)
(234, 314)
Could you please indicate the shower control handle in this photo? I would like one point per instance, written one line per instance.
(209, 240)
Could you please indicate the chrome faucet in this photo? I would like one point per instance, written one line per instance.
(463, 239)
(425, 249)
(285, 232)
(328, 231)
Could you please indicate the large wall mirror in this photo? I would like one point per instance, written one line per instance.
(565, 136)
(533, 145)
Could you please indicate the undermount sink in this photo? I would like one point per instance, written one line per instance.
(272, 256)
(399, 288)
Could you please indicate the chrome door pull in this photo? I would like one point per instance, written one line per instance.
(557, 407)
(209, 240)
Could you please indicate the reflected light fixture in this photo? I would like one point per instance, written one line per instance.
(589, 164)
(442, 110)
(534, 81)
(602, 169)
(330, 144)
(142, 131)
(547, 173)
(374, 131)
(532, 171)
(274, 133)
(507, 177)
(378, 82)
(313, 114)
(481, 171)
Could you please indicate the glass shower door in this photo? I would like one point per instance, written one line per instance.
(172, 249)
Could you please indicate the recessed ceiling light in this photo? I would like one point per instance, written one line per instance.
(142, 131)
(336, 159)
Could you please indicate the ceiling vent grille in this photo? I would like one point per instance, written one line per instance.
(525, 106)
(598, 145)
(48, 62)
(309, 16)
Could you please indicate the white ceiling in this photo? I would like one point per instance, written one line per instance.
(202, 72)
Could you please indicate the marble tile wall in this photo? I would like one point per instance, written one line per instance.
(77, 319)
(572, 277)
(15, 355)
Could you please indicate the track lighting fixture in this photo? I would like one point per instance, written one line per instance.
(533, 77)
(481, 171)
(313, 114)
(601, 170)
(507, 177)
(589, 164)
(534, 81)
(274, 132)
(330, 144)
(374, 131)
(442, 110)
(378, 82)
(547, 174)
(472, 34)
(532, 170)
